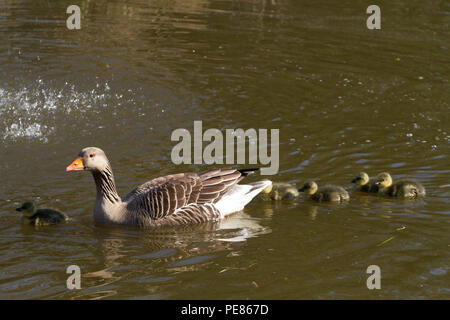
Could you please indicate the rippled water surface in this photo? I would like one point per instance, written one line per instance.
(345, 99)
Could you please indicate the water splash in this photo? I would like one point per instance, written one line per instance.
(34, 130)
(35, 112)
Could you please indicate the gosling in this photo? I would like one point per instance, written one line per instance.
(405, 188)
(365, 184)
(279, 191)
(325, 193)
(40, 217)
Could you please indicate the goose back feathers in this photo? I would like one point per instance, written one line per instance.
(181, 198)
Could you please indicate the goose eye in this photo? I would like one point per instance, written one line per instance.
(91, 156)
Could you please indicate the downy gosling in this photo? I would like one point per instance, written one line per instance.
(40, 217)
(279, 191)
(405, 188)
(364, 183)
(325, 193)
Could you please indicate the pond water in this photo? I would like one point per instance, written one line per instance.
(346, 99)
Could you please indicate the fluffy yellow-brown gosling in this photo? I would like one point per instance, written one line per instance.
(325, 193)
(405, 188)
(40, 217)
(279, 191)
(364, 183)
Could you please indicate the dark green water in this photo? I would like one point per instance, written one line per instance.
(345, 99)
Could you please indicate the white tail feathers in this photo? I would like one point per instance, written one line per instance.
(239, 196)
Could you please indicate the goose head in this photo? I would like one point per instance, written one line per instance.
(28, 209)
(361, 179)
(309, 187)
(91, 159)
(384, 180)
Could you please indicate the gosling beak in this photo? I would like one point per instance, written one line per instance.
(76, 165)
(377, 183)
(19, 209)
(301, 189)
(354, 180)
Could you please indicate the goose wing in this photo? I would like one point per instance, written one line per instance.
(186, 194)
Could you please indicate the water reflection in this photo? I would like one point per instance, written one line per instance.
(168, 252)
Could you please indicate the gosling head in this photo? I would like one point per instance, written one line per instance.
(92, 159)
(267, 189)
(309, 187)
(361, 179)
(28, 209)
(384, 180)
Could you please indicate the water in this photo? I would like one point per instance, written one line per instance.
(345, 99)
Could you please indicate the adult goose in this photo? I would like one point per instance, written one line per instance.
(177, 199)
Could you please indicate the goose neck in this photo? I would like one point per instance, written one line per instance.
(106, 186)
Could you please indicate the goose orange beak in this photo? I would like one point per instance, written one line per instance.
(76, 165)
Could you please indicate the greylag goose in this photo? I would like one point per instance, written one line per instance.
(325, 193)
(279, 191)
(365, 184)
(176, 199)
(405, 188)
(40, 217)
